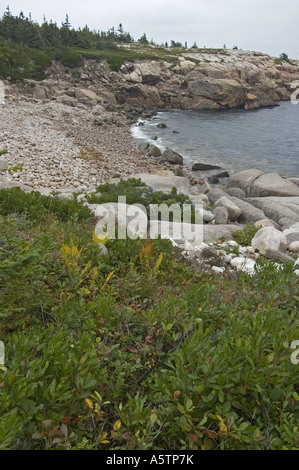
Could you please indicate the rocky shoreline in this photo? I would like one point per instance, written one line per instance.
(62, 138)
(71, 131)
(270, 231)
(53, 147)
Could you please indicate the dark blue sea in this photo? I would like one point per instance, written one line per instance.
(266, 139)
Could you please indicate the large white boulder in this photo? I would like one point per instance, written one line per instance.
(244, 179)
(269, 238)
(271, 184)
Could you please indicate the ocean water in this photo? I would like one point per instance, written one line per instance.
(266, 139)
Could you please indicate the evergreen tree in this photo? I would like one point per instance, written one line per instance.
(143, 40)
(65, 30)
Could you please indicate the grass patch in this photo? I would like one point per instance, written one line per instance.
(116, 56)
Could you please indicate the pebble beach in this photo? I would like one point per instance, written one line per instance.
(53, 146)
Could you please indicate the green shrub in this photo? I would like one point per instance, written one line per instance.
(36, 206)
(72, 58)
(136, 349)
(21, 62)
(244, 236)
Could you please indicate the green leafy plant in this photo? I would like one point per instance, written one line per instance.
(244, 236)
(134, 349)
(37, 206)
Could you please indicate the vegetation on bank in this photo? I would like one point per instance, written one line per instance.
(136, 349)
(27, 48)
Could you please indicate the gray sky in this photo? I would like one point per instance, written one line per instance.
(269, 26)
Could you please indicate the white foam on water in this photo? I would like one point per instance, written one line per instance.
(141, 136)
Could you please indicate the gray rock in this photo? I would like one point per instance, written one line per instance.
(294, 246)
(244, 179)
(286, 223)
(66, 196)
(221, 215)
(177, 171)
(213, 233)
(243, 264)
(234, 211)
(208, 216)
(214, 194)
(201, 199)
(3, 164)
(103, 250)
(271, 184)
(209, 253)
(85, 95)
(263, 223)
(277, 208)
(173, 157)
(144, 146)
(278, 256)
(292, 237)
(249, 212)
(40, 93)
(98, 109)
(162, 125)
(203, 188)
(294, 181)
(154, 151)
(213, 179)
(236, 192)
(204, 167)
(165, 183)
(218, 269)
(5, 184)
(269, 238)
(293, 229)
(67, 100)
(223, 174)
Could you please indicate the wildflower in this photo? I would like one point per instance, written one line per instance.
(89, 403)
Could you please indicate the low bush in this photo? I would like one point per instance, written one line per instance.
(37, 206)
(244, 236)
(136, 349)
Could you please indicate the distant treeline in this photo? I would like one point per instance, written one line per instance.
(24, 30)
(27, 48)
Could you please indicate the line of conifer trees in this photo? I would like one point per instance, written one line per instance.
(23, 30)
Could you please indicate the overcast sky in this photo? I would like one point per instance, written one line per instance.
(269, 26)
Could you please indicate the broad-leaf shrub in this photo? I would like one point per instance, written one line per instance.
(153, 356)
